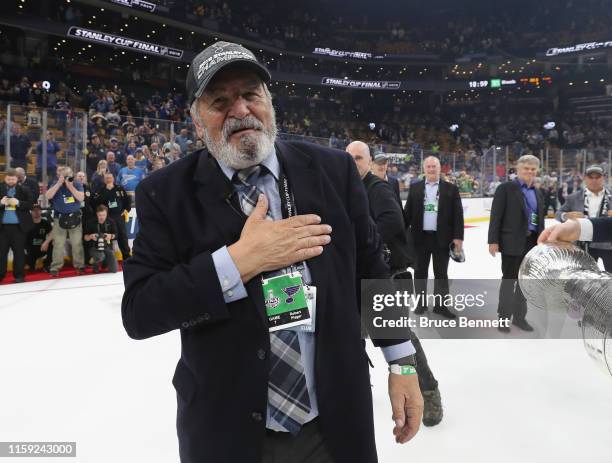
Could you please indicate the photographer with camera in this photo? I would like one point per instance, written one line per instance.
(100, 233)
(39, 240)
(119, 204)
(65, 196)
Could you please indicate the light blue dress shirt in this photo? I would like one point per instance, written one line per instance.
(430, 219)
(233, 289)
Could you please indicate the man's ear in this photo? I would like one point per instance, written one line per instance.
(199, 129)
(197, 124)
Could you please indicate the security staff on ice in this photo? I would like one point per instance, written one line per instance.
(253, 248)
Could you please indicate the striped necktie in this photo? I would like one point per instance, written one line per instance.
(288, 397)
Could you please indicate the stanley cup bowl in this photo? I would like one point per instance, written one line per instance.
(545, 271)
(563, 278)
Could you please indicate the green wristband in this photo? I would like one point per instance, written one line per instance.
(402, 369)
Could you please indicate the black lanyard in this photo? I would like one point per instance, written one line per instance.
(288, 208)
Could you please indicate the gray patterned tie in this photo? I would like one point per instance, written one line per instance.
(288, 397)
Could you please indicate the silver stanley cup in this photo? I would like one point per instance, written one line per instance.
(563, 278)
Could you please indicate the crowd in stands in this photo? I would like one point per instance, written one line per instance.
(121, 125)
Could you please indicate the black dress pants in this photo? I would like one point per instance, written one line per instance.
(424, 253)
(512, 302)
(605, 255)
(307, 447)
(122, 239)
(11, 237)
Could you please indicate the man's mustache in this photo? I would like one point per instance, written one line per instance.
(234, 125)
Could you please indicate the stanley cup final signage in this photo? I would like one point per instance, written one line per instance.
(342, 53)
(140, 4)
(581, 47)
(123, 42)
(361, 84)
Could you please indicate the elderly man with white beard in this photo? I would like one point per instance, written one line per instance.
(254, 248)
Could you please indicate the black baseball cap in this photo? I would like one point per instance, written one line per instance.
(216, 57)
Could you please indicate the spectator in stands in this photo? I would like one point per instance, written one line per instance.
(157, 164)
(24, 91)
(140, 160)
(154, 148)
(465, 183)
(61, 104)
(20, 145)
(99, 235)
(131, 147)
(53, 148)
(95, 152)
(493, 186)
(171, 152)
(156, 137)
(29, 183)
(563, 193)
(112, 166)
(182, 138)
(129, 177)
(118, 202)
(97, 179)
(15, 222)
(99, 106)
(39, 241)
(113, 119)
(33, 119)
(119, 153)
(550, 197)
(66, 196)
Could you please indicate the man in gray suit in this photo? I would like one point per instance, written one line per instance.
(592, 202)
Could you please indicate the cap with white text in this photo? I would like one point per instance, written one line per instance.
(216, 57)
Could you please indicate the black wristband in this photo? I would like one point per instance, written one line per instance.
(408, 360)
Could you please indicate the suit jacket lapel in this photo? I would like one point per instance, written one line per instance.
(520, 198)
(217, 194)
(304, 177)
(419, 198)
(441, 201)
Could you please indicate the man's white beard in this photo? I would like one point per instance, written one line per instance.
(253, 148)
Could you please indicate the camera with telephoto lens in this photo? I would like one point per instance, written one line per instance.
(69, 179)
(101, 244)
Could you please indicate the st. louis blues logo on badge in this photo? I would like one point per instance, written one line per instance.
(285, 301)
(290, 291)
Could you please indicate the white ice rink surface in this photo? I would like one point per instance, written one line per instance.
(68, 372)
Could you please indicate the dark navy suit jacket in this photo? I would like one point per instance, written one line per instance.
(186, 212)
(602, 230)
